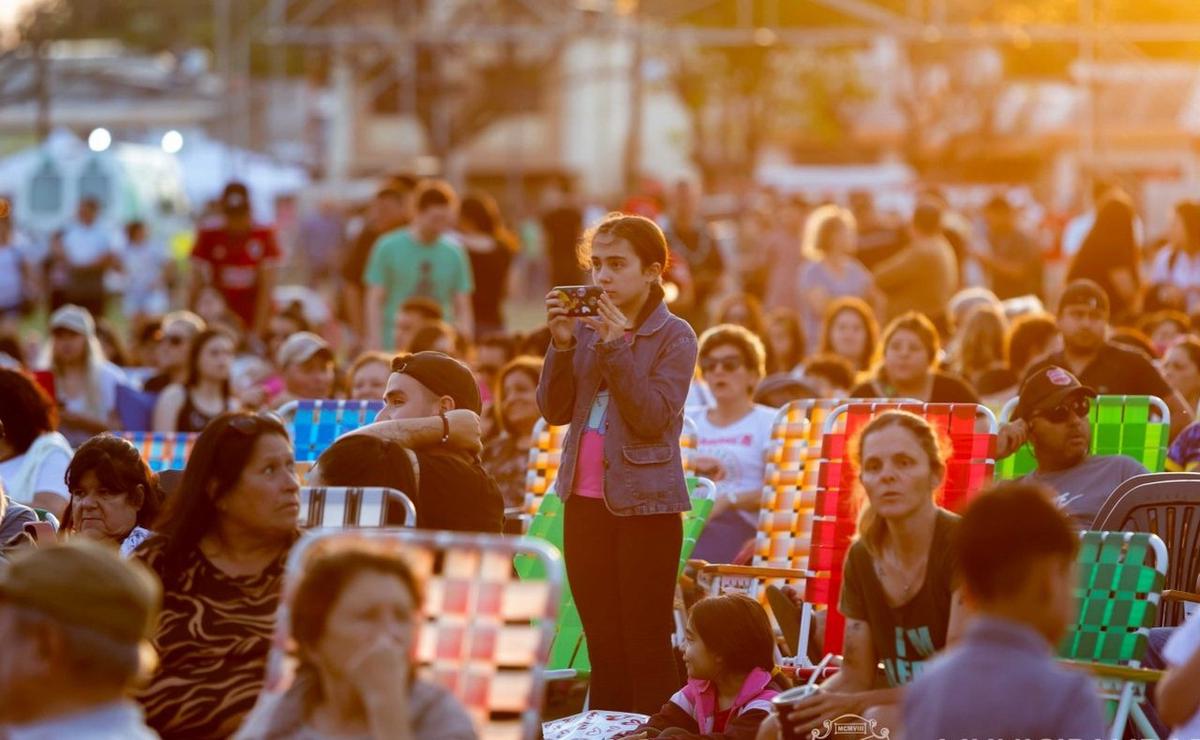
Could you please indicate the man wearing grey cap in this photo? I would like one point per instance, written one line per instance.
(75, 620)
(306, 361)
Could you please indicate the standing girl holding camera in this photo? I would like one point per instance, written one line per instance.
(620, 379)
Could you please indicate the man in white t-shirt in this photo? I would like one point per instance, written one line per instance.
(733, 437)
(89, 250)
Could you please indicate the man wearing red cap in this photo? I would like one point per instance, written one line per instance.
(1054, 406)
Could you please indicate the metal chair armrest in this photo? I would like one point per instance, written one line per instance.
(1173, 595)
(1124, 673)
(755, 571)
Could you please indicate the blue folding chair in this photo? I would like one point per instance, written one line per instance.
(316, 423)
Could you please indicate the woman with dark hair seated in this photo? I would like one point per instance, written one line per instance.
(354, 619)
(114, 495)
(220, 554)
(33, 455)
(506, 457)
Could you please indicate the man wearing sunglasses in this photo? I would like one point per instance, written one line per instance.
(1054, 406)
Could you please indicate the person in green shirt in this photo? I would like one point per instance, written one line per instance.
(419, 260)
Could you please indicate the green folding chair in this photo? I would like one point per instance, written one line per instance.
(568, 653)
(1134, 426)
(1121, 577)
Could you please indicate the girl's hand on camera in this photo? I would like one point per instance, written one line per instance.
(562, 326)
(611, 324)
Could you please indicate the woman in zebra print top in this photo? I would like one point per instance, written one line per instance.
(220, 554)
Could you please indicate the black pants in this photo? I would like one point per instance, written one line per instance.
(622, 572)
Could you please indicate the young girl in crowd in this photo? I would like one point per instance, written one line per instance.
(729, 653)
(368, 376)
(506, 457)
(851, 331)
(206, 393)
(620, 379)
(785, 340)
(908, 366)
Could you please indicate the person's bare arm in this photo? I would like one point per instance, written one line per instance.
(51, 502)
(354, 312)
(849, 692)
(960, 617)
(201, 276)
(427, 431)
(465, 314)
(83, 422)
(1003, 268)
(166, 409)
(1181, 413)
(1177, 696)
(373, 310)
(266, 288)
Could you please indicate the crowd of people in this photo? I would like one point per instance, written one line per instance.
(140, 605)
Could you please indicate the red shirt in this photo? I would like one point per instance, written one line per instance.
(235, 258)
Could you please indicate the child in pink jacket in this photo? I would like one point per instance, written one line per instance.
(730, 658)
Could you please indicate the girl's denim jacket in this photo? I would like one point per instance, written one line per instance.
(647, 382)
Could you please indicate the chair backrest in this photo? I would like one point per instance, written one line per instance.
(1121, 576)
(163, 450)
(1134, 426)
(788, 511)
(969, 468)
(544, 458)
(1166, 505)
(333, 506)
(316, 423)
(485, 634)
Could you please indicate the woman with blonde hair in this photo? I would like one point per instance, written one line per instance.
(832, 271)
(900, 591)
(85, 383)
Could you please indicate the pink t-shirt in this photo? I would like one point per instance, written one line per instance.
(589, 465)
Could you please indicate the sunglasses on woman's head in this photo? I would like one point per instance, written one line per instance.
(1079, 406)
(728, 364)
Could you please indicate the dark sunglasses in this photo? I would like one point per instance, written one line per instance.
(1076, 406)
(728, 364)
(174, 339)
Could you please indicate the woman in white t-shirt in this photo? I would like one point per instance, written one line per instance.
(85, 383)
(733, 436)
(33, 456)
